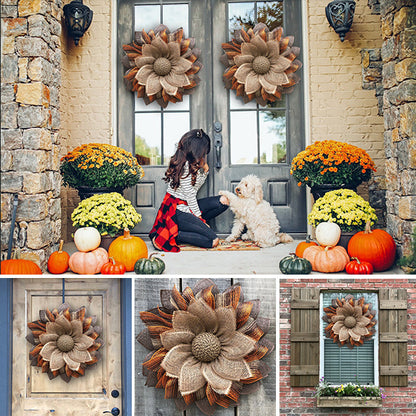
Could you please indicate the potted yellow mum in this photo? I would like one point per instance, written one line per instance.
(347, 209)
(109, 213)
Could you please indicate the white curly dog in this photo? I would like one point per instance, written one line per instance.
(254, 213)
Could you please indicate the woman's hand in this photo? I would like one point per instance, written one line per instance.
(205, 167)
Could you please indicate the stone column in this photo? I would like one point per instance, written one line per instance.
(30, 123)
(398, 54)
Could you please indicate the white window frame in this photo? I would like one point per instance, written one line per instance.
(322, 336)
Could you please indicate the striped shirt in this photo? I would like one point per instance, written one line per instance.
(187, 192)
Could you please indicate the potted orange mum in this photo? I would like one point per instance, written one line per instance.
(332, 165)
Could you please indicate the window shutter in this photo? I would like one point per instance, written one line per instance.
(304, 338)
(393, 337)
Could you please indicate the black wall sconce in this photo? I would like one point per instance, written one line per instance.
(78, 18)
(340, 14)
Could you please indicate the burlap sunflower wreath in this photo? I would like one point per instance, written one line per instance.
(260, 64)
(350, 321)
(66, 342)
(206, 346)
(161, 66)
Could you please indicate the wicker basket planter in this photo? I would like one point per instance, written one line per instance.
(349, 402)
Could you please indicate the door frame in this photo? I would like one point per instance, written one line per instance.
(6, 348)
(207, 118)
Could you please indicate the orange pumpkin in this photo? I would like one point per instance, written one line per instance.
(58, 261)
(327, 259)
(19, 266)
(303, 245)
(127, 249)
(375, 246)
(88, 262)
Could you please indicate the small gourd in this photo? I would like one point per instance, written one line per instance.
(151, 265)
(87, 239)
(293, 264)
(113, 267)
(328, 234)
(58, 261)
(303, 245)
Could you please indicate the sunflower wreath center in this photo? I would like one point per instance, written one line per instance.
(206, 347)
(65, 343)
(162, 66)
(350, 322)
(261, 65)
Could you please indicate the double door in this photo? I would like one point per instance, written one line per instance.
(246, 138)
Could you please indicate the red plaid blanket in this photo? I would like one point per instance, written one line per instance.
(165, 230)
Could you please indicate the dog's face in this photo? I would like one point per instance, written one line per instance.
(250, 187)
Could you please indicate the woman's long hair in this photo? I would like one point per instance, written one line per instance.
(192, 148)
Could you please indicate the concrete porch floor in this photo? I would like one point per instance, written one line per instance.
(258, 262)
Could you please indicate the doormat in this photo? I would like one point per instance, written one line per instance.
(224, 246)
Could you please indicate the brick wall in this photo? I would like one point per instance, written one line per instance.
(30, 123)
(301, 400)
(86, 103)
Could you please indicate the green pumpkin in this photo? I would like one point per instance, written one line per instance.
(293, 264)
(152, 265)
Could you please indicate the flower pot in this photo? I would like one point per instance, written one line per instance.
(356, 402)
(85, 191)
(319, 191)
(345, 238)
(106, 240)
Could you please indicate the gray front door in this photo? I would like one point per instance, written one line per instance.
(255, 139)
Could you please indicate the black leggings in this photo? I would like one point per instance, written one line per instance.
(192, 230)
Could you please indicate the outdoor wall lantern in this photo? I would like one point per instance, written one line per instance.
(78, 18)
(340, 14)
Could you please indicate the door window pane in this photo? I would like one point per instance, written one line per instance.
(147, 138)
(243, 139)
(272, 136)
(175, 125)
(158, 130)
(176, 16)
(146, 17)
(265, 131)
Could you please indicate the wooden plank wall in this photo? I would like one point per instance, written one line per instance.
(150, 401)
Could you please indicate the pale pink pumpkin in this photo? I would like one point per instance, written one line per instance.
(88, 262)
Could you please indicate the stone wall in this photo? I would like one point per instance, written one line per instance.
(30, 123)
(398, 53)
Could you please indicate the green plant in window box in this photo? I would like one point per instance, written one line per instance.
(324, 389)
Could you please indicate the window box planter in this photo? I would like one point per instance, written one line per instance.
(349, 402)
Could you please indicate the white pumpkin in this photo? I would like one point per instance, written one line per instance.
(328, 234)
(87, 239)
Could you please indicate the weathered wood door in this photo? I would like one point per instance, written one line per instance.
(254, 139)
(33, 394)
(151, 402)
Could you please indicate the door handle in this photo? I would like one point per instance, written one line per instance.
(115, 411)
(218, 143)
